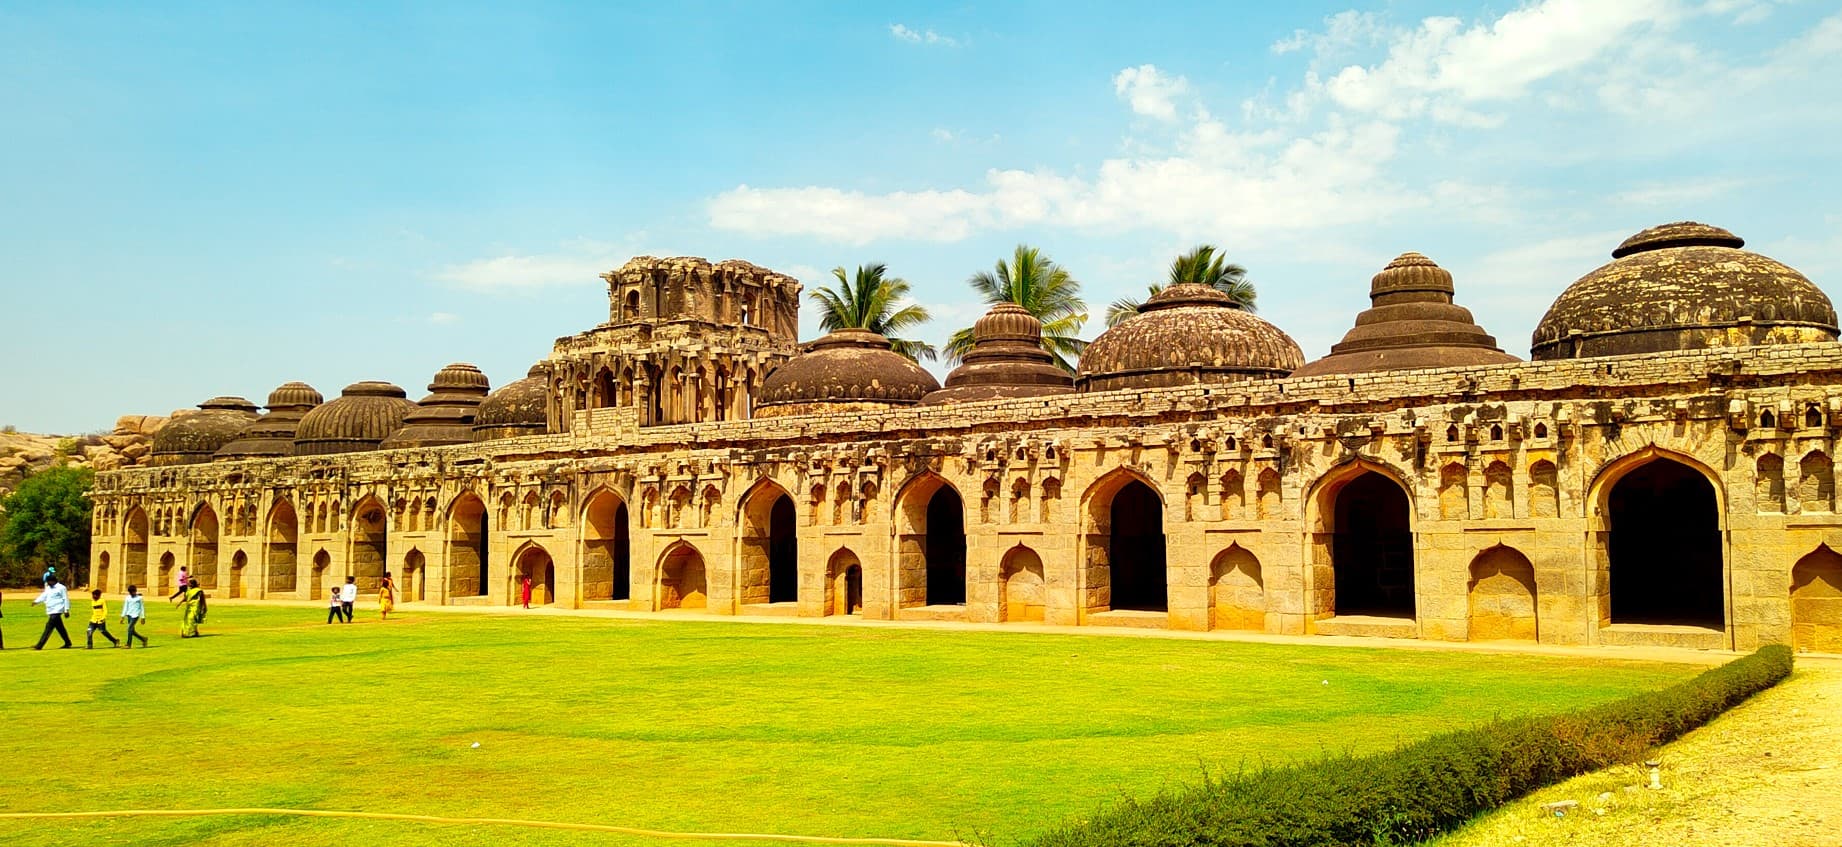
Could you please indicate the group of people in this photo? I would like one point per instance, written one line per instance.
(339, 603)
(56, 600)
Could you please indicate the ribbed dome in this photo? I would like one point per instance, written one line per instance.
(1007, 359)
(191, 437)
(446, 415)
(517, 408)
(272, 435)
(1412, 323)
(364, 414)
(850, 368)
(1187, 334)
(1683, 286)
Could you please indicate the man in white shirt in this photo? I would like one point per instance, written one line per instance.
(348, 594)
(57, 606)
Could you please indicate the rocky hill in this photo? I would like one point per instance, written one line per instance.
(23, 453)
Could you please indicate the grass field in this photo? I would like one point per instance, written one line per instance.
(690, 726)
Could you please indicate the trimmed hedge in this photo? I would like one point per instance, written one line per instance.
(1425, 788)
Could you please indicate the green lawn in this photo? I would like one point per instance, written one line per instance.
(683, 725)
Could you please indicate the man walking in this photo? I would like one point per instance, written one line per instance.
(348, 594)
(134, 613)
(57, 607)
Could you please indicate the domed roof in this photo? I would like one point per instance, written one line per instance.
(272, 435)
(1683, 286)
(192, 437)
(1187, 334)
(517, 408)
(1007, 359)
(849, 368)
(364, 414)
(446, 415)
(1412, 323)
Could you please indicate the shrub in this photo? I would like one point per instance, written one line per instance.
(1427, 787)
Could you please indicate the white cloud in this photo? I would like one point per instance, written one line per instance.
(1150, 91)
(1343, 32)
(444, 318)
(943, 135)
(578, 262)
(902, 32)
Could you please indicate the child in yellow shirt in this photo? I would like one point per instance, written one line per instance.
(99, 621)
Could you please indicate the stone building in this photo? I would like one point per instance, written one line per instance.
(1660, 473)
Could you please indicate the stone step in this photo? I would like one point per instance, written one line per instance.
(1131, 618)
(1368, 626)
(770, 610)
(931, 613)
(1663, 635)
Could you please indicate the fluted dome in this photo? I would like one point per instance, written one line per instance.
(1683, 286)
(517, 408)
(1411, 323)
(363, 415)
(192, 437)
(850, 368)
(446, 415)
(272, 435)
(1007, 359)
(1187, 334)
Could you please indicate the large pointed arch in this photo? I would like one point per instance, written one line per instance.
(1123, 533)
(466, 545)
(532, 561)
(1658, 540)
(1363, 559)
(768, 528)
(203, 531)
(281, 543)
(930, 535)
(683, 579)
(607, 561)
(136, 529)
(368, 525)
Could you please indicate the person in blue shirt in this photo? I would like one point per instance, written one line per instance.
(134, 612)
(57, 607)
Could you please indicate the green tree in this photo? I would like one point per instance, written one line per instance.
(872, 299)
(1044, 289)
(47, 523)
(1204, 265)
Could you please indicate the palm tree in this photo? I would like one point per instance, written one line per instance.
(871, 299)
(1204, 266)
(1044, 289)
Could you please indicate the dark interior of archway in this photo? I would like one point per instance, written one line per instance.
(853, 590)
(1372, 548)
(478, 540)
(1665, 547)
(1136, 550)
(783, 552)
(946, 549)
(623, 557)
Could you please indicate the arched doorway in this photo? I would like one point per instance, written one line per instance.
(168, 579)
(467, 566)
(1501, 596)
(414, 585)
(1816, 602)
(237, 563)
(1022, 591)
(534, 563)
(606, 566)
(1237, 590)
(1372, 548)
(100, 579)
(1135, 549)
(134, 548)
(770, 546)
(843, 584)
(322, 567)
(1663, 547)
(202, 559)
(283, 544)
(682, 584)
(930, 544)
(370, 548)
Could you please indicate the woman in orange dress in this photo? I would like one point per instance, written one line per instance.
(386, 597)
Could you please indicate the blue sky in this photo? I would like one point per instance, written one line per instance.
(205, 199)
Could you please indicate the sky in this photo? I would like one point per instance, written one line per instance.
(200, 199)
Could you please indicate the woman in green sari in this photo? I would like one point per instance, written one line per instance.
(194, 608)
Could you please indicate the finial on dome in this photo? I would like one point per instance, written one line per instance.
(1411, 272)
(1678, 234)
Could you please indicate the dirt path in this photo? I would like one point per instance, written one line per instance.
(1767, 774)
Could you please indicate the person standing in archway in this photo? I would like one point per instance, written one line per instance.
(386, 597)
(527, 591)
